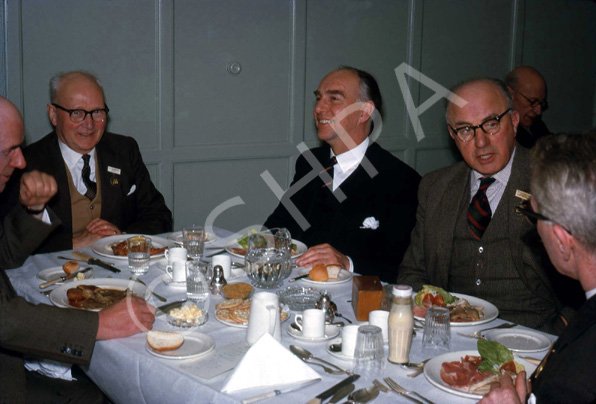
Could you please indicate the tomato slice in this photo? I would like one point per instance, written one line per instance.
(427, 301)
(508, 366)
(438, 301)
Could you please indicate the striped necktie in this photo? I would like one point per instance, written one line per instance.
(479, 212)
(85, 174)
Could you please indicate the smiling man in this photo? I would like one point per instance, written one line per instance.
(355, 202)
(468, 236)
(104, 187)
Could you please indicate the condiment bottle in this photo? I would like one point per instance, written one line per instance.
(401, 324)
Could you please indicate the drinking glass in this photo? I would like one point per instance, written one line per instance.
(139, 254)
(437, 330)
(194, 241)
(197, 287)
(266, 265)
(369, 355)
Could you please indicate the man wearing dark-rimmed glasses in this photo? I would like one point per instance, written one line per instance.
(468, 236)
(104, 187)
(528, 91)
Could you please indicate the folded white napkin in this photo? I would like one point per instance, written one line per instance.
(268, 364)
(50, 368)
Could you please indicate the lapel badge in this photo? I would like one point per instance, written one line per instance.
(115, 171)
(524, 196)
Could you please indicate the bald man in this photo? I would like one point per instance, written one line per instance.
(528, 91)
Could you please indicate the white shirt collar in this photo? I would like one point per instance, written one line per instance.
(502, 176)
(353, 157)
(71, 157)
(590, 293)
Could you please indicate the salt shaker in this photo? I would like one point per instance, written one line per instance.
(326, 304)
(217, 280)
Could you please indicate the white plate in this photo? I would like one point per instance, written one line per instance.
(176, 237)
(169, 282)
(338, 355)
(490, 311)
(50, 274)
(432, 371)
(58, 295)
(519, 340)
(194, 346)
(331, 331)
(300, 245)
(344, 276)
(103, 246)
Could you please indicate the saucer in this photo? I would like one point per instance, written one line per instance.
(170, 282)
(331, 331)
(338, 355)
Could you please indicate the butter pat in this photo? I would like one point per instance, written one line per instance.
(190, 312)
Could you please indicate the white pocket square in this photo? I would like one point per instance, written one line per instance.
(132, 189)
(370, 223)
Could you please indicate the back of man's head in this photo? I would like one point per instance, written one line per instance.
(564, 183)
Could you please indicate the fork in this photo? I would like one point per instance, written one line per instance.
(163, 299)
(381, 386)
(405, 393)
(419, 370)
(476, 334)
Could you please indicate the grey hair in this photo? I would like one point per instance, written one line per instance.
(499, 85)
(564, 183)
(56, 81)
(369, 88)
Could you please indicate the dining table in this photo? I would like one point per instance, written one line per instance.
(127, 372)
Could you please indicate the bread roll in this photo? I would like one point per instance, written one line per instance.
(333, 271)
(70, 267)
(318, 273)
(164, 340)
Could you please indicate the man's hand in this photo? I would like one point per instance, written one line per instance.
(323, 253)
(102, 227)
(85, 239)
(37, 189)
(504, 392)
(127, 317)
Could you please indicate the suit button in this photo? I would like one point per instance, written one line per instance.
(481, 250)
(91, 207)
(478, 282)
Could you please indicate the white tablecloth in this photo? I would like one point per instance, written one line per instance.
(127, 373)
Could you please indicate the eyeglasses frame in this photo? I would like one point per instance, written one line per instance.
(70, 112)
(533, 102)
(526, 210)
(479, 126)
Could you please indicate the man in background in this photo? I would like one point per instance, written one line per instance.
(104, 188)
(357, 199)
(563, 204)
(528, 91)
(468, 237)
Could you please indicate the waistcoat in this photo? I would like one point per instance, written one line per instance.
(83, 210)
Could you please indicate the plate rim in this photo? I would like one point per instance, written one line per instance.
(485, 320)
(194, 336)
(234, 244)
(119, 237)
(309, 339)
(521, 331)
(97, 282)
(329, 282)
(337, 355)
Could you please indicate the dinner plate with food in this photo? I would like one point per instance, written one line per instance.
(174, 345)
(322, 274)
(116, 247)
(95, 294)
(239, 247)
(470, 373)
(465, 310)
(235, 312)
(177, 238)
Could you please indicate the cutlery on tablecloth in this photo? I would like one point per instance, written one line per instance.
(306, 355)
(63, 278)
(163, 309)
(94, 261)
(163, 299)
(405, 393)
(331, 391)
(277, 392)
(477, 334)
(298, 277)
(341, 393)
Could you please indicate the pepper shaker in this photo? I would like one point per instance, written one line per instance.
(217, 280)
(326, 304)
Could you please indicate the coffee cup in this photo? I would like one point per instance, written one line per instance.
(380, 318)
(311, 322)
(175, 254)
(177, 271)
(225, 261)
(349, 335)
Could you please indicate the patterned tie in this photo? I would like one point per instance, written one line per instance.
(329, 168)
(85, 173)
(479, 212)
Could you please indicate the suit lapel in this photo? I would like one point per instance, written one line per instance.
(111, 184)
(60, 204)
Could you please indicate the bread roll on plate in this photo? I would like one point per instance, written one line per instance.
(164, 340)
(70, 267)
(333, 271)
(319, 273)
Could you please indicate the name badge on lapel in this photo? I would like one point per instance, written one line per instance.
(114, 171)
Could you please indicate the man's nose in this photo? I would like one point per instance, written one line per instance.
(18, 160)
(480, 139)
(88, 121)
(319, 106)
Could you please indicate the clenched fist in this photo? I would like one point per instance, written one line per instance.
(37, 189)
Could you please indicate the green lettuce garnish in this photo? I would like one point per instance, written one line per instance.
(448, 298)
(494, 355)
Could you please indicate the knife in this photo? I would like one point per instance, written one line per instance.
(274, 393)
(341, 393)
(328, 393)
(63, 278)
(94, 261)
(174, 305)
(298, 277)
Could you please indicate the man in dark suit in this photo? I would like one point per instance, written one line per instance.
(563, 204)
(357, 210)
(528, 90)
(41, 330)
(104, 187)
(468, 237)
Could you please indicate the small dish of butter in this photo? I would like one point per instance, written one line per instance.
(187, 316)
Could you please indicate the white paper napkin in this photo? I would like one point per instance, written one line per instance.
(50, 368)
(268, 364)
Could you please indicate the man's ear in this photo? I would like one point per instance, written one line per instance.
(52, 114)
(564, 241)
(368, 108)
(515, 121)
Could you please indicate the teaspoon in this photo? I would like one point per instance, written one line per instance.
(363, 395)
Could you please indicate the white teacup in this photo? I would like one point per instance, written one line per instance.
(177, 271)
(311, 322)
(225, 261)
(349, 335)
(176, 254)
(380, 318)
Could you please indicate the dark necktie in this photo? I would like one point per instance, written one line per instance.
(479, 212)
(85, 173)
(329, 168)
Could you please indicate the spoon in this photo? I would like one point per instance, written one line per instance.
(333, 307)
(305, 355)
(335, 347)
(363, 395)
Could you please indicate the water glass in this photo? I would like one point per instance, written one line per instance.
(193, 238)
(437, 330)
(139, 254)
(369, 356)
(197, 287)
